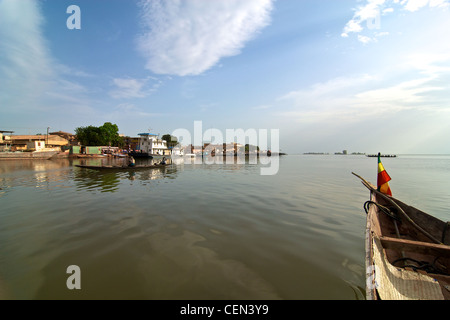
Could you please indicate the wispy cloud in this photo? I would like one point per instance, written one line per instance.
(355, 99)
(25, 63)
(413, 94)
(328, 101)
(71, 72)
(128, 88)
(130, 110)
(189, 37)
(368, 16)
(414, 5)
(432, 64)
(31, 80)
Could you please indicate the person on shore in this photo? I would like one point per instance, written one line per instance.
(131, 161)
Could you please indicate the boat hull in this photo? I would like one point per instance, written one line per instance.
(36, 155)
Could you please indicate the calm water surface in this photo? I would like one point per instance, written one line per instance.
(203, 231)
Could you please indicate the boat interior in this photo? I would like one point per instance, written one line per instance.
(411, 238)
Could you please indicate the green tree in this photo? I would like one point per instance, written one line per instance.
(110, 135)
(107, 134)
(167, 138)
(88, 136)
(171, 141)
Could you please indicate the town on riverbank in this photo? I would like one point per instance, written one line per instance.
(106, 141)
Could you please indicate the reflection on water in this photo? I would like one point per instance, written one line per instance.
(199, 230)
(110, 180)
(102, 181)
(40, 174)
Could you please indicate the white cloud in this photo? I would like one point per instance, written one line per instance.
(31, 80)
(327, 101)
(130, 110)
(364, 39)
(355, 99)
(352, 26)
(368, 16)
(189, 37)
(404, 95)
(323, 89)
(414, 5)
(25, 63)
(432, 64)
(128, 88)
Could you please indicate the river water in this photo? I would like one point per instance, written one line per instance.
(199, 231)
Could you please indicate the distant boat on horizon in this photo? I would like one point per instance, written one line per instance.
(382, 156)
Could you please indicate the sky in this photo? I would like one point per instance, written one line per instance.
(330, 75)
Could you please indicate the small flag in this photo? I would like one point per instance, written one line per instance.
(383, 178)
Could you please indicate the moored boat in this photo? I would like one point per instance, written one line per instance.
(119, 155)
(407, 251)
(190, 155)
(21, 155)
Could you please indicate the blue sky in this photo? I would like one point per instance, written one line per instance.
(360, 75)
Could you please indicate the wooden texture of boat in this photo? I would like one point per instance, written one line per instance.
(117, 167)
(407, 251)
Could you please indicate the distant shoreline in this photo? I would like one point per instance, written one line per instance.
(355, 154)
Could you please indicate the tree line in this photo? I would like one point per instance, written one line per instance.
(107, 135)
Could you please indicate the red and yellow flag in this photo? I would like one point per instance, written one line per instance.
(383, 179)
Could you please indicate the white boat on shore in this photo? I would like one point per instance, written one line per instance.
(190, 155)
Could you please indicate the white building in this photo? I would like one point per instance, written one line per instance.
(150, 143)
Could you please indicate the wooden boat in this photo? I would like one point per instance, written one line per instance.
(117, 167)
(407, 251)
(120, 155)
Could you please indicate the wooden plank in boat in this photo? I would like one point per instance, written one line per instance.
(416, 246)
